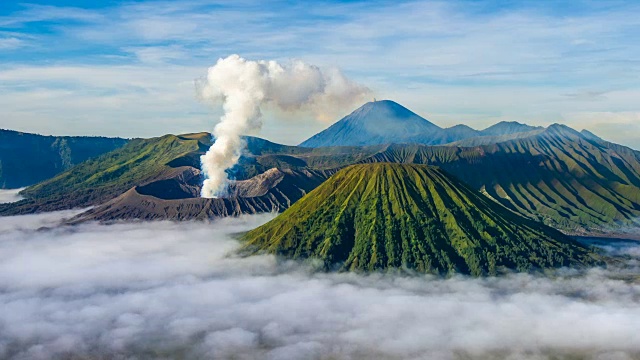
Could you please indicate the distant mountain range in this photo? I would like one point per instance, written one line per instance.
(387, 122)
(26, 159)
(372, 217)
(570, 180)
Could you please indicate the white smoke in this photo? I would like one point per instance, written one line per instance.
(245, 86)
(171, 290)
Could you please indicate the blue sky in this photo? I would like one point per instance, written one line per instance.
(127, 68)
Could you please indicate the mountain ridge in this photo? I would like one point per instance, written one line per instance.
(376, 122)
(405, 216)
(567, 179)
(387, 122)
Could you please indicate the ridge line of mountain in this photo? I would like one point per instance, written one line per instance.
(564, 178)
(372, 217)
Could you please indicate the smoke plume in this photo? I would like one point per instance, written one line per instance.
(244, 87)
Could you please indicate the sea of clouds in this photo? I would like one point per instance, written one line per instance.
(168, 290)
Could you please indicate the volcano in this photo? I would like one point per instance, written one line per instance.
(377, 122)
(400, 216)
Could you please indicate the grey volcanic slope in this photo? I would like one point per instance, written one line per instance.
(494, 139)
(566, 179)
(387, 122)
(378, 122)
(404, 216)
(557, 176)
(177, 197)
(26, 159)
(154, 161)
(508, 128)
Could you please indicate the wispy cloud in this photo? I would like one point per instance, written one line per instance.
(32, 13)
(103, 99)
(159, 54)
(526, 59)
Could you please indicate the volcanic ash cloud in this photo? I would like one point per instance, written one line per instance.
(245, 87)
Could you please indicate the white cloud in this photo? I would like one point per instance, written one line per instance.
(10, 195)
(459, 62)
(158, 54)
(170, 289)
(127, 101)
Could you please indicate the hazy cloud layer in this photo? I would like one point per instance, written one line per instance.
(152, 290)
(10, 195)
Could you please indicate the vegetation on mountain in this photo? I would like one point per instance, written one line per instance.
(377, 122)
(177, 197)
(105, 177)
(508, 128)
(400, 216)
(558, 176)
(569, 180)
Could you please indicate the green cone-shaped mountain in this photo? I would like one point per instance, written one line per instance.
(384, 216)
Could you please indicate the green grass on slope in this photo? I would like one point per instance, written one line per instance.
(569, 181)
(105, 177)
(385, 216)
(144, 160)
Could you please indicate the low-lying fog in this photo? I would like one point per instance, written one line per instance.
(167, 290)
(10, 195)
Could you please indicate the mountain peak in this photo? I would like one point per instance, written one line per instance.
(508, 128)
(401, 216)
(382, 122)
(562, 130)
(387, 110)
(376, 122)
(383, 103)
(591, 136)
